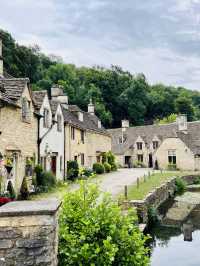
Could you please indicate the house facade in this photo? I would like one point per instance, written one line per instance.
(175, 145)
(18, 131)
(51, 134)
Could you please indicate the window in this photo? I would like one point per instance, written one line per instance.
(139, 145)
(82, 136)
(172, 156)
(155, 145)
(75, 158)
(140, 158)
(46, 118)
(98, 159)
(72, 133)
(82, 159)
(122, 139)
(61, 163)
(59, 123)
(26, 106)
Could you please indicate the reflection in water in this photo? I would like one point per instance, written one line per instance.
(187, 229)
(177, 246)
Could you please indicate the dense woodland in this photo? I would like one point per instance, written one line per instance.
(117, 94)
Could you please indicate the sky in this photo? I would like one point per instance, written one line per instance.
(160, 38)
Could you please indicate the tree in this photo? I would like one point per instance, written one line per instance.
(184, 106)
(94, 232)
(166, 120)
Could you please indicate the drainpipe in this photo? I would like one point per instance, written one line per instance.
(64, 152)
(38, 137)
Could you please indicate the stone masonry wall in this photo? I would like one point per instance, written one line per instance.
(156, 197)
(29, 233)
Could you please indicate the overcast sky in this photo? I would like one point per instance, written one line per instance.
(160, 38)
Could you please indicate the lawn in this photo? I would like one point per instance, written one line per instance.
(150, 183)
(57, 192)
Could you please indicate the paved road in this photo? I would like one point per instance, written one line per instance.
(114, 182)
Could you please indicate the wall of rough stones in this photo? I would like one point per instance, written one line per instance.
(29, 233)
(156, 197)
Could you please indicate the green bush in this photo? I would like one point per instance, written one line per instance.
(98, 168)
(38, 172)
(11, 190)
(180, 186)
(49, 179)
(98, 234)
(110, 157)
(138, 164)
(107, 167)
(72, 170)
(24, 191)
(172, 167)
(197, 180)
(114, 167)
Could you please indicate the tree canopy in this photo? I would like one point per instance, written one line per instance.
(117, 94)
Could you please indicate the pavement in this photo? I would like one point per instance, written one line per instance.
(115, 182)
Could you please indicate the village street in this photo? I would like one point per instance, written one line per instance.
(114, 182)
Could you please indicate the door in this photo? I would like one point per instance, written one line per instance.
(150, 161)
(53, 165)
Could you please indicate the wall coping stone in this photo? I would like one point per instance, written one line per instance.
(26, 208)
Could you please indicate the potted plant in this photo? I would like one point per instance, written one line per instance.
(9, 165)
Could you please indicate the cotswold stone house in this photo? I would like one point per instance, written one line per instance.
(18, 129)
(85, 137)
(175, 145)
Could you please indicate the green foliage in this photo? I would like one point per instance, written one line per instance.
(11, 190)
(167, 120)
(86, 173)
(72, 170)
(24, 191)
(38, 172)
(172, 167)
(180, 186)
(98, 234)
(98, 168)
(197, 180)
(107, 167)
(138, 164)
(114, 167)
(117, 94)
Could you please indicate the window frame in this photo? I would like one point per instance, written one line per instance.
(140, 158)
(139, 145)
(155, 144)
(72, 133)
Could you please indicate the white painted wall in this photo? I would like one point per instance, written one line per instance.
(54, 139)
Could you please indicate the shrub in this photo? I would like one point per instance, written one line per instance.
(197, 180)
(138, 164)
(114, 167)
(180, 186)
(24, 189)
(172, 167)
(38, 172)
(107, 167)
(98, 168)
(72, 170)
(49, 179)
(11, 190)
(110, 157)
(98, 234)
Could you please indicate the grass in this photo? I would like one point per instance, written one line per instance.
(58, 191)
(153, 181)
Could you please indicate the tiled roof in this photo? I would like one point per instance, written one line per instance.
(12, 88)
(147, 133)
(38, 97)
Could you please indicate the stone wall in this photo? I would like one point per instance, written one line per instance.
(29, 233)
(156, 197)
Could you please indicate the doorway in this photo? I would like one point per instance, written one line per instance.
(128, 161)
(53, 164)
(150, 161)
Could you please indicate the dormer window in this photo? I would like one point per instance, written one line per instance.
(139, 145)
(155, 145)
(59, 123)
(26, 110)
(46, 118)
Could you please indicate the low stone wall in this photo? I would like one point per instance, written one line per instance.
(29, 233)
(155, 198)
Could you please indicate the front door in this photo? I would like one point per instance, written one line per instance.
(150, 161)
(53, 164)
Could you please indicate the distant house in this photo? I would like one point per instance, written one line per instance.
(51, 133)
(18, 129)
(85, 137)
(175, 145)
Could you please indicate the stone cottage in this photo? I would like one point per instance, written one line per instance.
(18, 129)
(50, 133)
(175, 145)
(85, 137)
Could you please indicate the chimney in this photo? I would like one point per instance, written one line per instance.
(1, 58)
(58, 95)
(181, 121)
(91, 107)
(125, 123)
